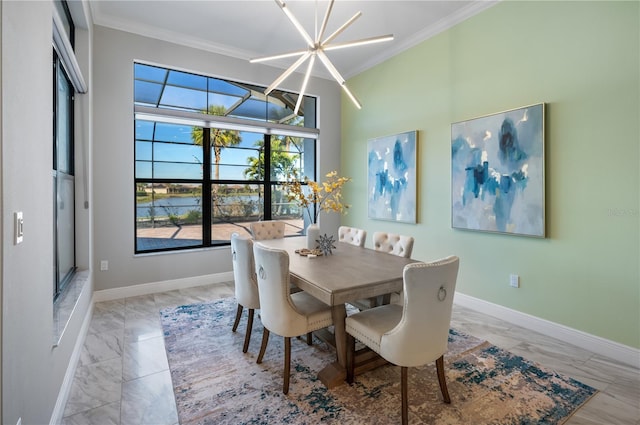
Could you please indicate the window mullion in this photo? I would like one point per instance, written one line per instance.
(207, 215)
(267, 178)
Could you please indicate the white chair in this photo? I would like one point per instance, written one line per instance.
(392, 243)
(270, 229)
(352, 235)
(285, 314)
(246, 284)
(412, 334)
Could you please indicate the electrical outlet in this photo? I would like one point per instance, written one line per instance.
(104, 265)
(514, 281)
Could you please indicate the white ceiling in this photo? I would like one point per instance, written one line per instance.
(253, 28)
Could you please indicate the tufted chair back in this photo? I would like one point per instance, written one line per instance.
(244, 273)
(278, 312)
(246, 284)
(422, 334)
(270, 229)
(283, 313)
(414, 333)
(391, 243)
(352, 235)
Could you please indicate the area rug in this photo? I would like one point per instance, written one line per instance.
(215, 383)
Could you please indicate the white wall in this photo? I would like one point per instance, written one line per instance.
(32, 369)
(113, 150)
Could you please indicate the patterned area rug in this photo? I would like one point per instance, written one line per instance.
(215, 383)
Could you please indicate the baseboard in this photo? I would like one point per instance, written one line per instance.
(114, 294)
(162, 286)
(622, 353)
(67, 382)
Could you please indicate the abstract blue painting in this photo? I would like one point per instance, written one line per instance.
(392, 185)
(497, 172)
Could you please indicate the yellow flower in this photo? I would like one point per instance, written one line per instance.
(324, 197)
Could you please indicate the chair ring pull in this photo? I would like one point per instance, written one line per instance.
(442, 294)
(262, 273)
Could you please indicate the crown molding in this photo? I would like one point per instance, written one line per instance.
(432, 30)
(166, 35)
(125, 25)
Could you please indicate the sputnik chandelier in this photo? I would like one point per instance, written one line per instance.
(317, 48)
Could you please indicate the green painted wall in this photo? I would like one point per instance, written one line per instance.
(582, 60)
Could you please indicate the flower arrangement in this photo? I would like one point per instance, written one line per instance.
(325, 196)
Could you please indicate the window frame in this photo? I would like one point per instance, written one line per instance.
(207, 123)
(62, 278)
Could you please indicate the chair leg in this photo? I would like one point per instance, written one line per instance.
(247, 335)
(238, 315)
(310, 338)
(403, 390)
(263, 347)
(351, 348)
(442, 380)
(287, 364)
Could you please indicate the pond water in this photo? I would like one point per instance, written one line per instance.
(181, 205)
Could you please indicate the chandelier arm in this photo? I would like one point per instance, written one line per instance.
(304, 84)
(334, 72)
(317, 48)
(325, 21)
(296, 23)
(352, 96)
(278, 56)
(361, 42)
(286, 73)
(332, 69)
(342, 28)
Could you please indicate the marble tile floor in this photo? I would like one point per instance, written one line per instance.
(123, 376)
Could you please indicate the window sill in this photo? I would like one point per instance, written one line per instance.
(65, 304)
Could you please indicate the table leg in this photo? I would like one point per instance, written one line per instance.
(336, 373)
(339, 314)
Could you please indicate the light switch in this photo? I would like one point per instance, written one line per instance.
(18, 227)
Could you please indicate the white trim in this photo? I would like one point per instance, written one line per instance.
(68, 57)
(154, 287)
(229, 123)
(65, 388)
(620, 352)
(127, 25)
(113, 294)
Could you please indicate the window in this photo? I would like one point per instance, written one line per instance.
(62, 8)
(211, 156)
(63, 167)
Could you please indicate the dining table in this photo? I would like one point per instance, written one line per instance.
(347, 274)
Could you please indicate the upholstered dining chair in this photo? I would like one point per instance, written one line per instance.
(283, 313)
(412, 334)
(394, 244)
(352, 235)
(246, 284)
(270, 229)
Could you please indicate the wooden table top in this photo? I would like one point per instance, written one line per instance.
(350, 274)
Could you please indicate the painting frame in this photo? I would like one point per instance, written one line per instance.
(392, 177)
(498, 172)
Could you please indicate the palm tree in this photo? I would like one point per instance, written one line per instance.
(220, 139)
(282, 164)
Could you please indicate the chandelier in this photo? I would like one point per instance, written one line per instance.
(316, 48)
